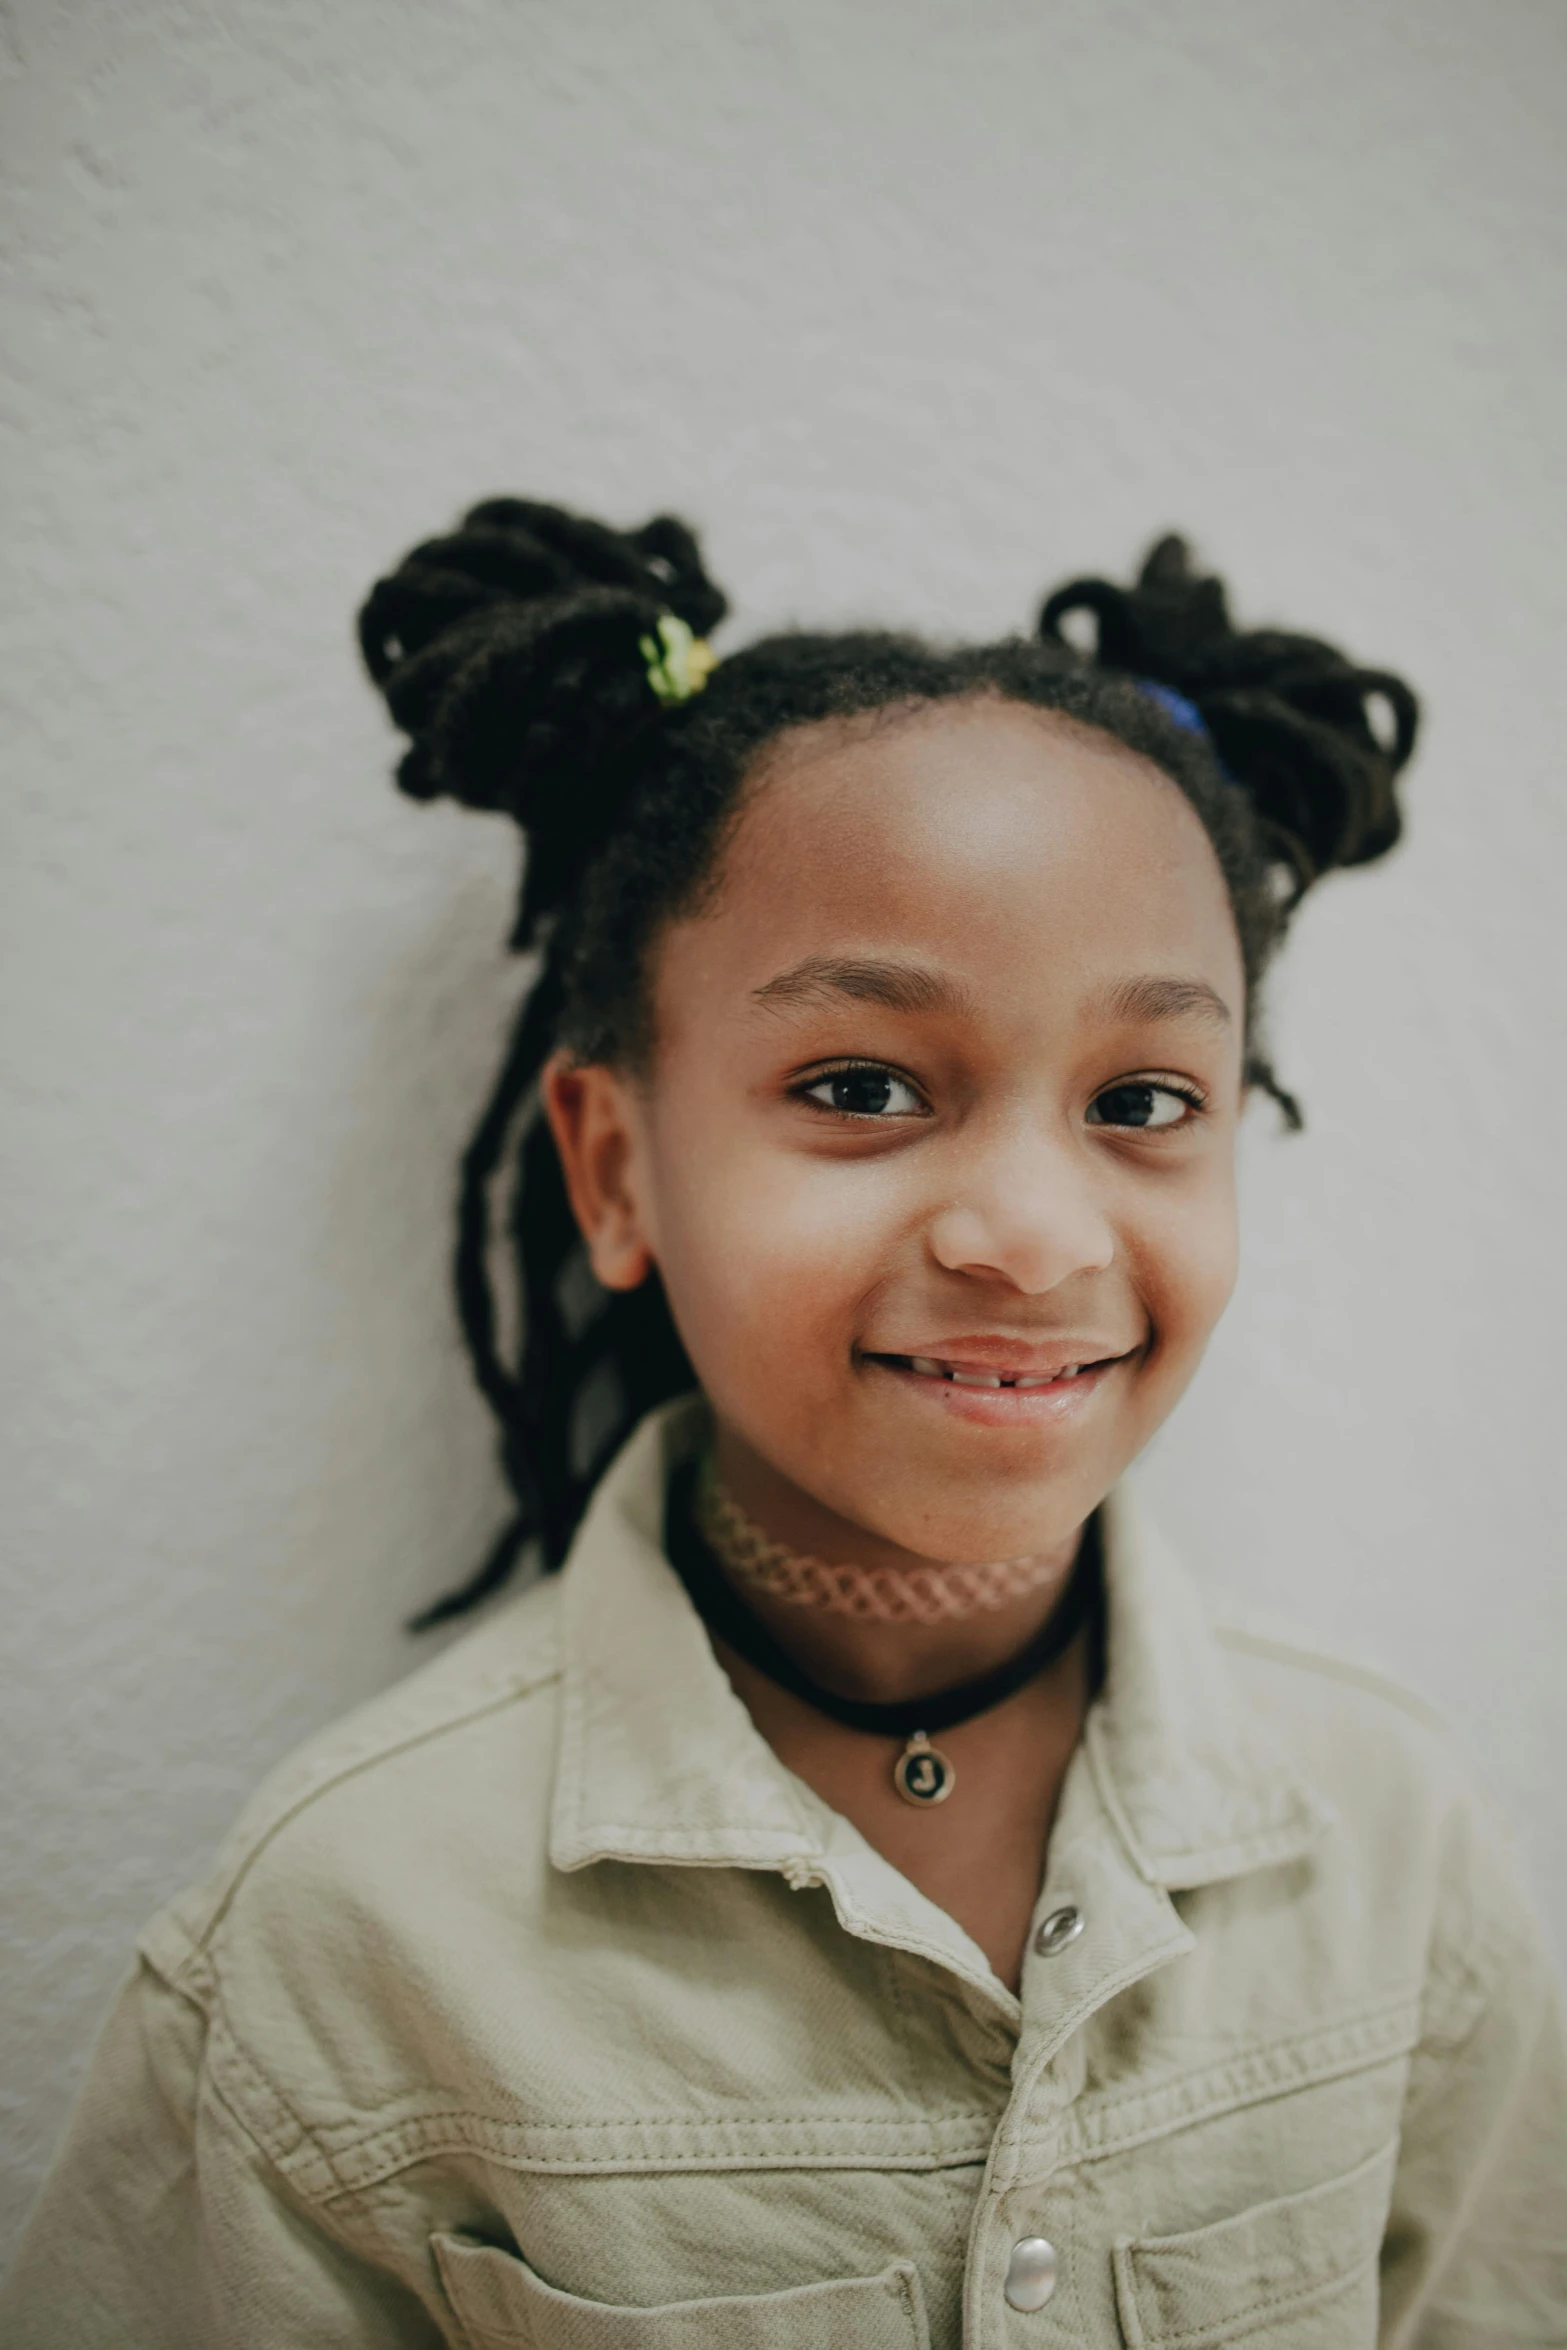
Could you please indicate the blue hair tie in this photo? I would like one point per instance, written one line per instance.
(1185, 714)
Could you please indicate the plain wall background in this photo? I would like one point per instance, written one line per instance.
(916, 309)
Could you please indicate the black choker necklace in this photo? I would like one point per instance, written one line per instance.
(922, 1774)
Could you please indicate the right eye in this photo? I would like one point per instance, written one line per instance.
(867, 1091)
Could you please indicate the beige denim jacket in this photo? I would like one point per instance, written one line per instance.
(540, 2005)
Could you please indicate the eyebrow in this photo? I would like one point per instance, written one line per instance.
(901, 987)
(1167, 999)
(913, 987)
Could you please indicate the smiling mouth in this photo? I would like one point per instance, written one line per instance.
(976, 1375)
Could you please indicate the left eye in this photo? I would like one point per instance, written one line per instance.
(1140, 1105)
(865, 1093)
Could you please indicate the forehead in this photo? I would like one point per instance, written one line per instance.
(992, 840)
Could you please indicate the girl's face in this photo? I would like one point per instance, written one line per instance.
(944, 1094)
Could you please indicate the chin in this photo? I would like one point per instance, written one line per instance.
(986, 1524)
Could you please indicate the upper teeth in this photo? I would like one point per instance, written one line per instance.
(932, 1369)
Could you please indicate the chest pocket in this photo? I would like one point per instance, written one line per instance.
(1298, 2274)
(500, 2304)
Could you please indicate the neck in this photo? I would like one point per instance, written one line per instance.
(880, 1661)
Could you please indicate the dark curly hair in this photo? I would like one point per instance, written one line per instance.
(511, 654)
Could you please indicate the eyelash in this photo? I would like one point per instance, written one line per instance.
(1182, 1089)
(805, 1089)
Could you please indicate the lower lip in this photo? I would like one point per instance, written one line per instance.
(1004, 1407)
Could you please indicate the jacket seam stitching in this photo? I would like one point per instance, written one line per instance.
(1336, 2067)
(226, 2049)
(920, 2165)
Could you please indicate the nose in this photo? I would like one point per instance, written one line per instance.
(1028, 1213)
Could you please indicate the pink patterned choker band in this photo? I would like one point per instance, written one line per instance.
(925, 1594)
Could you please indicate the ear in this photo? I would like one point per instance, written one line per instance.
(592, 1117)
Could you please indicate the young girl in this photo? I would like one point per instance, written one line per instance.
(859, 1901)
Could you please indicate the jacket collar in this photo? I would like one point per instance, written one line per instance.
(1188, 1770)
(658, 1758)
(659, 1761)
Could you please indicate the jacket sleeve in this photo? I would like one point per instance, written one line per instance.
(162, 2226)
(1476, 2248)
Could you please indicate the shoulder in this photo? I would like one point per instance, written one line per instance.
(1409, 1813)
(1340, 1716)
(370, 1811)
(1387, 1764)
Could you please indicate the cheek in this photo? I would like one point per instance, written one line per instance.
(1184, 1253)
(759, 1252)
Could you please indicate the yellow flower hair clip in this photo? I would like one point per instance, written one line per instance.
(678, 663)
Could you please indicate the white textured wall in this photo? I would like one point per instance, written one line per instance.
(914, 307)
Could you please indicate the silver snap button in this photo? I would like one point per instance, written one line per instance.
(1058, 1929)
(1032, 2273)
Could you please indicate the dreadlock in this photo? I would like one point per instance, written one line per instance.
(511, 655)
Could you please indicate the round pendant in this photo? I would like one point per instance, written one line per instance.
(922, 1773)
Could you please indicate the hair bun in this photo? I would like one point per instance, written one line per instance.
(509, 653)
(1290, 717)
